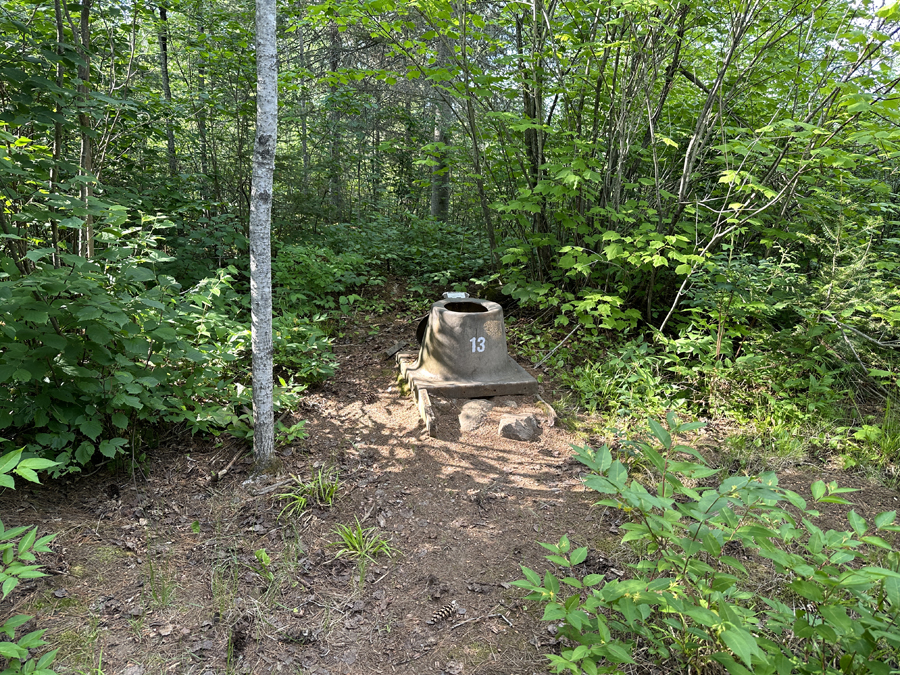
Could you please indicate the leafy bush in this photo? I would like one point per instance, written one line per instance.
(17, 548)
(92, 352)
(629, 378)
(302, 347)
(690, 602)
(309, 279)
(419, 248)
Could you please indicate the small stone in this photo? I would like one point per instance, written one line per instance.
(61, 593)
(518, 427)
(133, 670)
(165, 630)
(473, 413)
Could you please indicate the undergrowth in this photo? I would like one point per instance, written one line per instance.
(690, 601)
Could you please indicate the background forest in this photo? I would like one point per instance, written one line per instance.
(684, 207)
(695, 200)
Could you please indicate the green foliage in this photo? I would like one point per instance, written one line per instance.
(310, 279)
(263, 565)
(628, 379)
(287, 435)
(17, 548)
(690, 603)
(362, 545)
(875, 445)
(302, 348)
(93, 352)
(416, 248)
(162, 584)
(321, 490)
(296, 502)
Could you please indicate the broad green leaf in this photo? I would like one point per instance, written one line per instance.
(741, 643)
(10, 650)
(98, 334)
(9, 460)
(27, 474)
(885, 519)
(578, 556)
(91, 428)
(807, 589)
(732, 666)
(857, 522)
(818, 490)
(37, 463)
(837, 616)
(661, 434)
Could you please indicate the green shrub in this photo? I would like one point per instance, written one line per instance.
(17, 548)
(419, 248)
(94, 352)
(309, 279)
(630, 378)
(690, 602)
(302, 348)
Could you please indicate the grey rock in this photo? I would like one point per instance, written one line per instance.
(473, 413)
(518, 427)
(133, 670)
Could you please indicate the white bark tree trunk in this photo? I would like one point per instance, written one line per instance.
(260, 235)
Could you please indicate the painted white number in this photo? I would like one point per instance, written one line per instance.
(477, 344)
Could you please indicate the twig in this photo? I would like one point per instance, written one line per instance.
(890, 344)
(414, 658)
(267, 490)
(577, 326)
(381, 577)
(283, 415)
(479, 618)
(551, 413)
(230, 464)
(368, 513)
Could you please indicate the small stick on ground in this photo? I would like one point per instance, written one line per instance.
(230, 464)
(479, 618)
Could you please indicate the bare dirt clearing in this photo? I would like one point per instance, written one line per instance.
(160, 574)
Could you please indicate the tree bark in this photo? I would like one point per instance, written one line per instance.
(57, 125)
(440, 172)
(86, 234)
(335, 184)
(260, 236)
(167, 91)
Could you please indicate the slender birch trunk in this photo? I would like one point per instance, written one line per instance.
(260, 236)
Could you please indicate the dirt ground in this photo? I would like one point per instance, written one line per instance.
(157, 572)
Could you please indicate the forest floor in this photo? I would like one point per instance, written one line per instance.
(157, 572)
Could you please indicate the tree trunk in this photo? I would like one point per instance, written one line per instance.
(260, 236)
(57, 125)
(335, 186)
(86, 234)
(167, 91)
(440, 172)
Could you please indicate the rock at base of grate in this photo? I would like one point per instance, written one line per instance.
(473, 414)
(518, 427)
